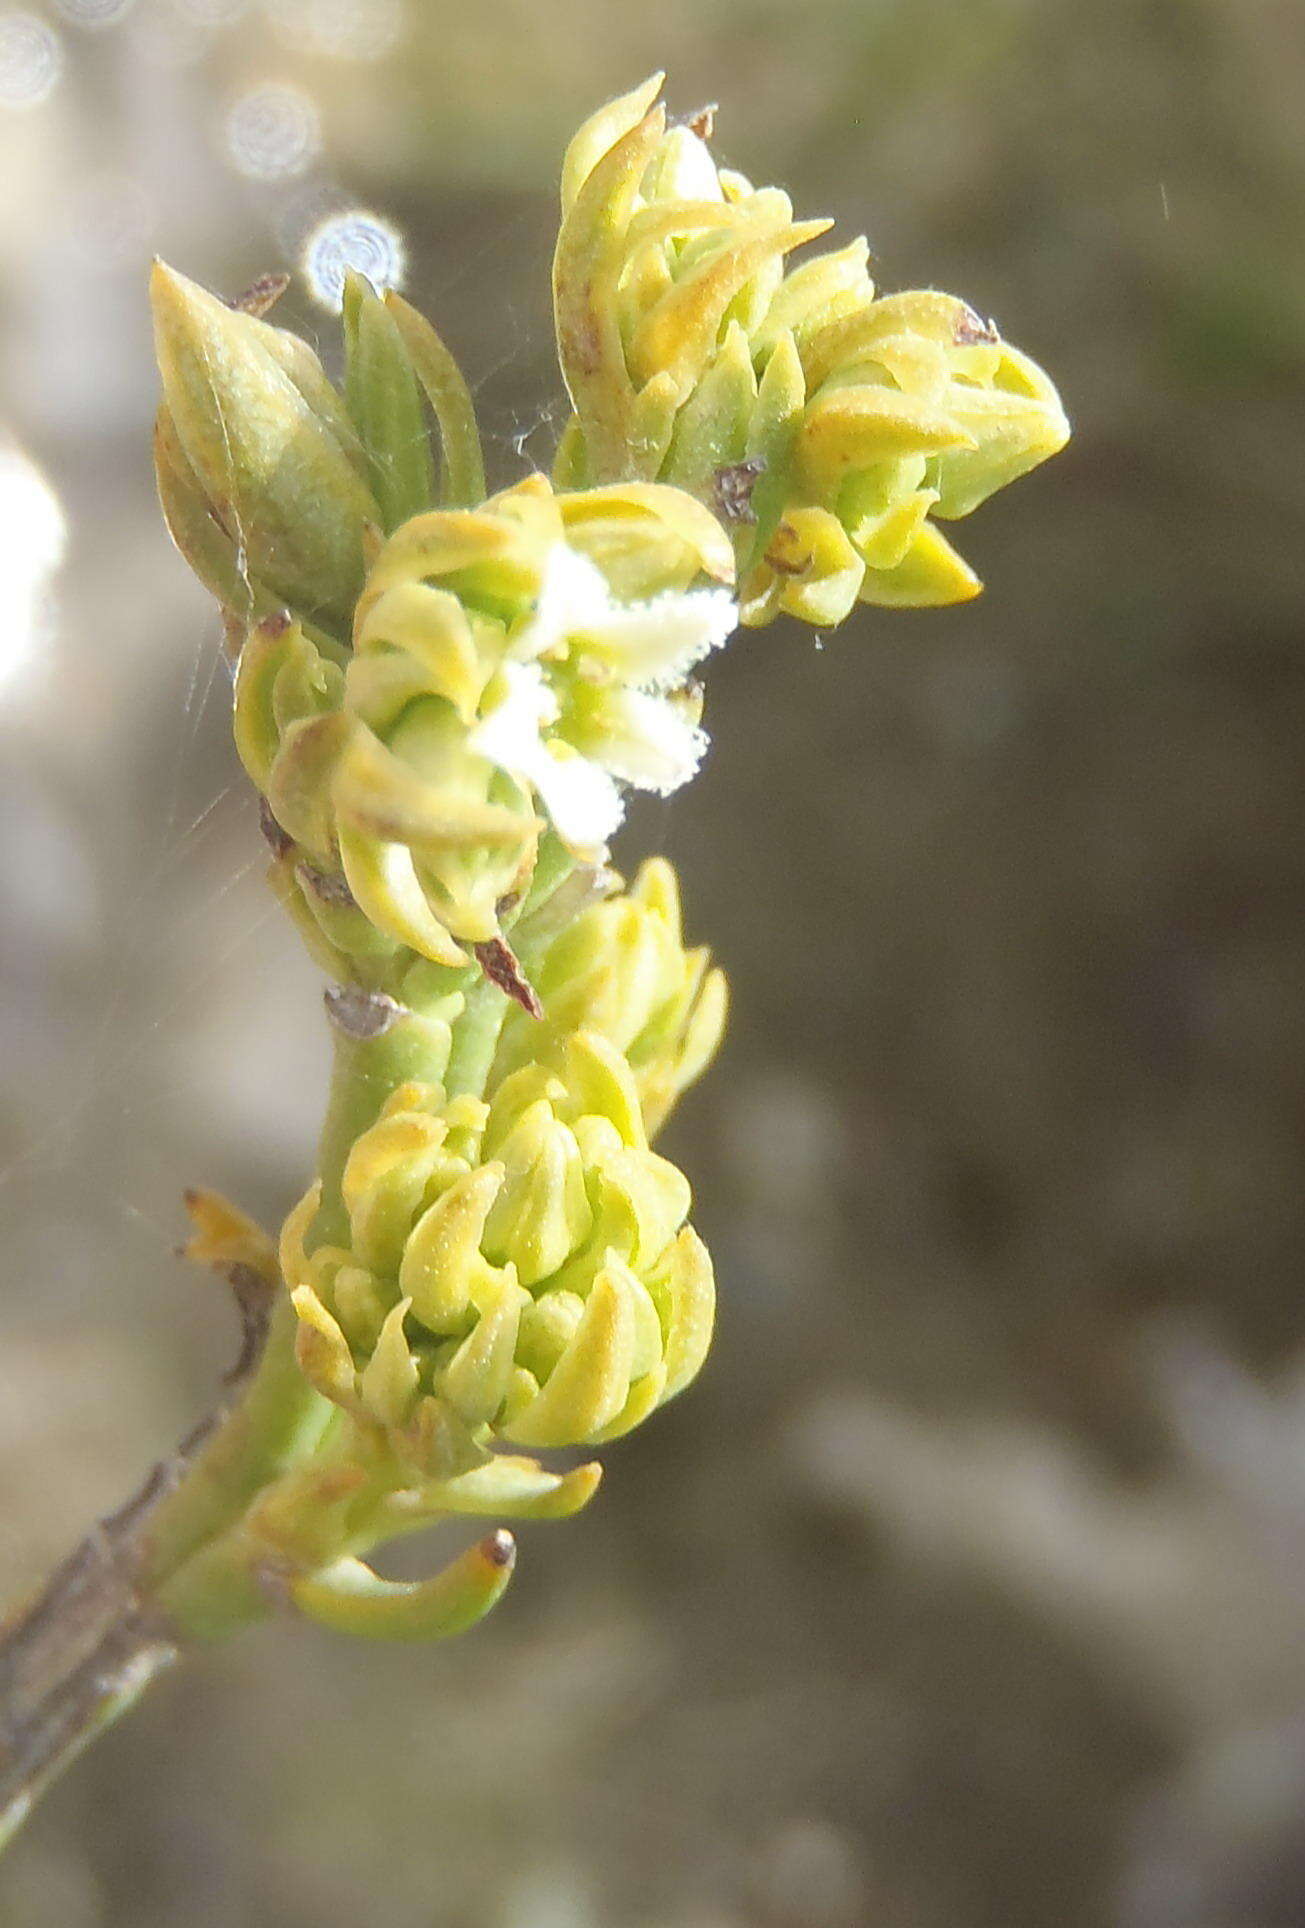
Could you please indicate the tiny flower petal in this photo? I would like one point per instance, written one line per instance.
(583, 801)
(646, 740)
(655, 644)
(652, 644)
(573, 596)
(510, 734)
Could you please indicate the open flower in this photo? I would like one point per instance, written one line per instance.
(593, 695)
(511, 665)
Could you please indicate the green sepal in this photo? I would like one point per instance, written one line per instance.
(462, 465)
(521, 1489)
(712, 428)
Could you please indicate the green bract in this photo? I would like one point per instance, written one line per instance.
(263, 477)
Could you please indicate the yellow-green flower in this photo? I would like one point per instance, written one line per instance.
(512, 666)
(518, 1269)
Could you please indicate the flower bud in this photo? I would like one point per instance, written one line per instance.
(516, 1271)
(257, 435)
(620, 969)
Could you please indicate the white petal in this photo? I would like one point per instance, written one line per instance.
(649, 742)
(573, 595)
(582, 801)
(655, 644)
(510, 734)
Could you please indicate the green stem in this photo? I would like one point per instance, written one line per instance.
(475, 1040)
(366, 1071)
(279, 1423)
(84, 1650)
(182, 1561)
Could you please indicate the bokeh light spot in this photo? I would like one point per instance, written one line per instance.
(354, 239)
(32, 537)
(94, 13)
(346, 29)
(31, 60)
(211, 13)
(273, 132)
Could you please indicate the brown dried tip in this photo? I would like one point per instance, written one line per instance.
(253, 1295)
(499, 1548)
(360, 1014)
(972, 329)
(785, 553)
(498, 961)
(261, 295)
(732, 488)
(702, 121)
(329, 886)
(276, 838)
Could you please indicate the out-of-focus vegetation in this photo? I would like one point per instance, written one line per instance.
(965, 1590)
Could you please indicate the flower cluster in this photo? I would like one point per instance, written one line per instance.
(620, 969)
(829, 426)
(522, 1265)
(512, 666)
(518, 1268)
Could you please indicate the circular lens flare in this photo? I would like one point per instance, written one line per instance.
(273, 132)
(31, 60)
(344, 29)
(353, 239)
(94, 13)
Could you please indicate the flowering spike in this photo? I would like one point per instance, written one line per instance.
(442, 700)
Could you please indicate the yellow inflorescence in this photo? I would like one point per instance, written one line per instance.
(519, 1267)
(620, 969)
(832, 427)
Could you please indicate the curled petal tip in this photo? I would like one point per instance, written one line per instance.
(348, 1597)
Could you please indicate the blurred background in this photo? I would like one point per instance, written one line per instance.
(967, 1588)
